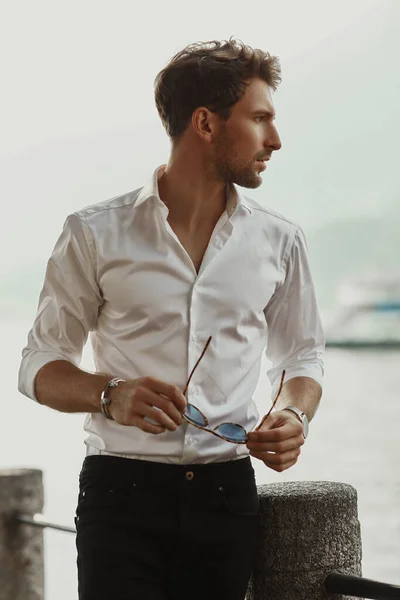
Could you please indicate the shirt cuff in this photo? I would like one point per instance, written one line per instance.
(31, 364)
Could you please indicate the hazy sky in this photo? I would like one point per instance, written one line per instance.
(78, 122)
(81, 65)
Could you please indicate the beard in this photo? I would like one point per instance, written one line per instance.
(230, 167)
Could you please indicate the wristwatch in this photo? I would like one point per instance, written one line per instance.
(301, 416)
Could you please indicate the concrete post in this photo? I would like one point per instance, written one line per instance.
(21, 546)
(308, 530)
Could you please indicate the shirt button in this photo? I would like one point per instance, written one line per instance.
(190, 441)
(194, 337)
(194, 390)
(218, 244)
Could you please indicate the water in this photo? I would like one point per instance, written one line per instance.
(354, 439)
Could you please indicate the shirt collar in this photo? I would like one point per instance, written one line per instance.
(234, 202)
(150, 190)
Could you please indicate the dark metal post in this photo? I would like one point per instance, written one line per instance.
(337, 583)
(21, 546)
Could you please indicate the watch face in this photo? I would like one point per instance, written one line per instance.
(305, 426)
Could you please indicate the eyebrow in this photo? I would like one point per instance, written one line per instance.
(263, 112)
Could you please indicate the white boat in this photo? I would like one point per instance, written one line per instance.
(368, 313)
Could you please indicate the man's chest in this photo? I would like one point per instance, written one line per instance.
(194, 245)
(227, 277)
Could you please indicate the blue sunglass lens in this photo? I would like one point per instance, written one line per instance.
(232, 432)
(194, 416)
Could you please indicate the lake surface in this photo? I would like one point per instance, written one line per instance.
(354, 438)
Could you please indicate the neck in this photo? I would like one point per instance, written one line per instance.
(193, 195)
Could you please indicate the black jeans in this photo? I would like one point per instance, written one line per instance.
(151, 531)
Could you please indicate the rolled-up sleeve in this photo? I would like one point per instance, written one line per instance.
(295, 335)
(68, 305)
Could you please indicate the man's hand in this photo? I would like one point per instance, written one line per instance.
(277, 441)
(134, 400)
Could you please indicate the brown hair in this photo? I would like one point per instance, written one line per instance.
(212, 74)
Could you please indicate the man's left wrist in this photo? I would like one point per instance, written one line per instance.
(301, 416)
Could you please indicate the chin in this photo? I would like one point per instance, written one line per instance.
(250, 180)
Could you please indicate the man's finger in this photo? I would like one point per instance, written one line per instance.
(279, 468)
(276, 459)
(285, 446)
(161, 402)
(172, 392)
(158, 416)
(277, 434)
(149, 427)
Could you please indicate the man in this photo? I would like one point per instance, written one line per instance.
(167, 510)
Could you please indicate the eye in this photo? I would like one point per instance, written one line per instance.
(259, 119)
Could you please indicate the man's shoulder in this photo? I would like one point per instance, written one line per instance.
(270, 215)
(115, 204)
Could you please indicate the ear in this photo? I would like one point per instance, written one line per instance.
(204, 123)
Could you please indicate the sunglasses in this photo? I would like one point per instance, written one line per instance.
(230, 432)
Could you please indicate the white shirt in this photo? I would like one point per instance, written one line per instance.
(119, 274)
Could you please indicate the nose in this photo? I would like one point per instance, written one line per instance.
(273, 140)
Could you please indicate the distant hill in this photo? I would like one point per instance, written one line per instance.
(349, 249)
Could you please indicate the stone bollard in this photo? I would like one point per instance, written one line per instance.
(21, 546)
(308, 530)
